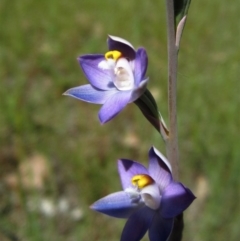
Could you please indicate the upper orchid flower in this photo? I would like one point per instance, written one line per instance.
(116, 78)
(150, 198)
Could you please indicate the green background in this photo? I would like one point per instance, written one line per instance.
(59, 140)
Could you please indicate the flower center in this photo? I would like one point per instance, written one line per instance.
(148, 190)
(142, 180)
(123, 75)
(121, 70)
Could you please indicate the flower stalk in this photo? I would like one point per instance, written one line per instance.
(174, 34)
(172, 141)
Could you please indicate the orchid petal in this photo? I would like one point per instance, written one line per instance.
(114, 105)
(119, 204)
(137, 92)
(160, 228)
(127, 169)
(99, 77)
(140, 65)
(175, 199)
(90, 94)
(137, 224)
(122, 45)
(159, 168)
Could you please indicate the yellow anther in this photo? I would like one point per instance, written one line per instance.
(113, 55)
(142, 180)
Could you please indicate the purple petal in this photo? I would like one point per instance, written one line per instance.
(90, 94)
(137, 92)
(175, 199)
(127, 169)
(140, 65)
(137, 224)
(114, 105)
(160, 228)
(98, 77)
(118, 204)
(122, 45)
(159, 168)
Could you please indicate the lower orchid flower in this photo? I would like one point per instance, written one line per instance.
(116, 78)
(150, 199)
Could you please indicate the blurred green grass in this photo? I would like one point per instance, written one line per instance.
(39, 44)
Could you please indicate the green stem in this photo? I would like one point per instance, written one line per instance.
(172, 142)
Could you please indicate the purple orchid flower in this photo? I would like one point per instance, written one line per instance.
(150, 198)
(116, 78)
